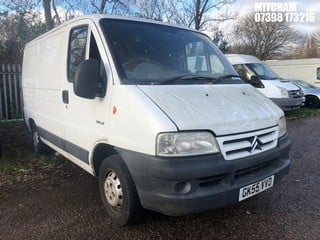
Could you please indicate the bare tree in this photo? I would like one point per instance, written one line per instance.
(194, 13)
(56, 17)
(198, 13)
(151, 9)
(50, 6)
(200, 8)
(47, 13)
(263, 39)
(220, 41)
(311, 49)
(29, 6)
(99, 6)
(109, 6)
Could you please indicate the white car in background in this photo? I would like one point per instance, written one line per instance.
(284, 93)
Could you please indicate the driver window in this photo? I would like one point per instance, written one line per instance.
(242, 71)
(95, 54)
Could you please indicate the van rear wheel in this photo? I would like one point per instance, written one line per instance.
(118, 192)
(38, 145)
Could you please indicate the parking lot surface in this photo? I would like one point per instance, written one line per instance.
(68, 206)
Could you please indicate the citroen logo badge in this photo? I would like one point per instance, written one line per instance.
(255, 144)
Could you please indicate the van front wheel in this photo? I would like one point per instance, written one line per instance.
(118, 192)
(312, 102)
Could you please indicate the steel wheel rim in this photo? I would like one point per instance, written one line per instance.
(113, 191)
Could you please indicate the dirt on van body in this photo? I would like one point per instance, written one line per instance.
(47, 197)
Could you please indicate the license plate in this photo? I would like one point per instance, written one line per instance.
(255, 188)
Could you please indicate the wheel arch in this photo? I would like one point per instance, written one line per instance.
(31, 124)
(312, 95)
(100, 152)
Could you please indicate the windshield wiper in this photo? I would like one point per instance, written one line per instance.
(198, 77)
(183, 77)
(219, 79)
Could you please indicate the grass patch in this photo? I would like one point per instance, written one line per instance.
(302, 113)
(10, 123)
(45, 161)
(9, 164)
(9, 167)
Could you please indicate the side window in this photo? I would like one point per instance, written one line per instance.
(241, 71)
(318, 73)
(77, 49)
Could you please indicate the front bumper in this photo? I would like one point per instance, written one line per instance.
(287, 104)
(180, 186)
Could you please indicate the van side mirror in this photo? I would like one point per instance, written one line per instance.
(256, 82)
(86, 79)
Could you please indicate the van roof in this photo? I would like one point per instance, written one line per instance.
(241, 59)
(305, 61)
(97, 17)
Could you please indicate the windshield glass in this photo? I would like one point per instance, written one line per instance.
(263, 71)
(147, 53)
(304, 84)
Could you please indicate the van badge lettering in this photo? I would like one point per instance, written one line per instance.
(99, 122)
(255, 144)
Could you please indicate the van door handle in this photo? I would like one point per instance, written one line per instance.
(65, 96)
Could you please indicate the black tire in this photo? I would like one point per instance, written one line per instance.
(38, 146)
(312, 102)
(118, 192)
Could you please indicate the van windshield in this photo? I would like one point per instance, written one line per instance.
(147, 53)
(263, 71)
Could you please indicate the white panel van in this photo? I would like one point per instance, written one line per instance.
(307, 70)
(284, 93)
(156, 112)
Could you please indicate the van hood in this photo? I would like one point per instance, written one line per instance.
(223, 109)
(289, 86)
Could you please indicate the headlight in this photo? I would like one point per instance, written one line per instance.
(282, 127)
(179, 144)
(284, 93)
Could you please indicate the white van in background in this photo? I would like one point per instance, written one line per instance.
(156, 112)
(307, 70)
(287, 95)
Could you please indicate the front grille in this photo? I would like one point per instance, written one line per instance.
(247, 144)
(295, 93)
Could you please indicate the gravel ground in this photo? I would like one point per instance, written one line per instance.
(67, 205)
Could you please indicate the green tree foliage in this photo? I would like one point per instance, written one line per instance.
(16, 29)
